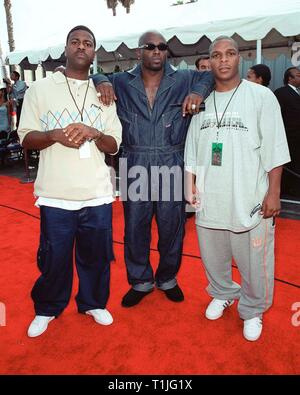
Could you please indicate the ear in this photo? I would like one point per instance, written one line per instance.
(138, 53)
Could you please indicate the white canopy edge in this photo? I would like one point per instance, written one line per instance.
(249, 28)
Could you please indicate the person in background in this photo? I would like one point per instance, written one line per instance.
(153, 103)
(62, 118)
(203, 63)
(289, 100)
(5, 113)
(60, 68)
(260, 74)
(233, 156)
(17, 91)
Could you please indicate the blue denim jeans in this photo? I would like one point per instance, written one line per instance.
(170, 219)
(89, 230)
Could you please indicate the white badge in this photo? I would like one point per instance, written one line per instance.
(85, 151)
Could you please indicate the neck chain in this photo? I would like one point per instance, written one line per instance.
(224, 112)
(73, 98)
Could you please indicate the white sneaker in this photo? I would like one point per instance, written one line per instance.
(252, 329)
(216, 308)
(39, 325)
(101, 316)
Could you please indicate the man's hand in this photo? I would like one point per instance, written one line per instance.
(271, 205)
(191, 192)
(72, 137)
(78, 133)
(106, 93)
(191, 104)
(193, 198)
(58, 136)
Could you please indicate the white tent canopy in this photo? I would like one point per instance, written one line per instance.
(279, 30)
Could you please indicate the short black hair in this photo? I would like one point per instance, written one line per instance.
(16, 74)
(82, 27)
(204, 57)
(288, 74)
(4, 90)
(222, 38)
(263, 71)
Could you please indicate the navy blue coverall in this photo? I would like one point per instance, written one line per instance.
(154, 138)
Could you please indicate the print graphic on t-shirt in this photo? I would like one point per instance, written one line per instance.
(231, 121)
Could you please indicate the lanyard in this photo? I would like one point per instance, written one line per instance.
(80, 112)
(224, 112)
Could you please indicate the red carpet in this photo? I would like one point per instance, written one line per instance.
(156, 337)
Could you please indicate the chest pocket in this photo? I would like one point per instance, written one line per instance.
(129, 126)
(173, 127)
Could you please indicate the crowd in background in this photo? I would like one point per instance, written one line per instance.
(12, 93)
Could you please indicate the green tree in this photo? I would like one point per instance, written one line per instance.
(114, 3)
(9, 24)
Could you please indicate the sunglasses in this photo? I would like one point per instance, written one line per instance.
(151, 46)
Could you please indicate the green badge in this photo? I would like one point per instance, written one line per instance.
(216, 156)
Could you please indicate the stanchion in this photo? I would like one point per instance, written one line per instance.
(27, 179)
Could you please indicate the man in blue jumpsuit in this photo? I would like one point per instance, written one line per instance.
(153, 102)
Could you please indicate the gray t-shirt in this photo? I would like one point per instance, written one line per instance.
(251, 142)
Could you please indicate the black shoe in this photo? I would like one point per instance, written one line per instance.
(190, 214)
(175, 294)
(133, 297)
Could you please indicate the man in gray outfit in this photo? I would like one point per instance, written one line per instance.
(233, 156)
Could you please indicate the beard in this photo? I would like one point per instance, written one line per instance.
(154, 67)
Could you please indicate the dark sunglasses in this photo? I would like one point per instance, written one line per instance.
(151, 46)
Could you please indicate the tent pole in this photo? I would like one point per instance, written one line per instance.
(258, 51)
(95, 64)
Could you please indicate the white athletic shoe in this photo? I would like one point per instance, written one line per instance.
(216, 308)
(101, 316)
(252, 329)
(39, 325)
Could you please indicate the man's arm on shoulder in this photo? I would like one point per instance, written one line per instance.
(99, 78)
(104, 86)
(202, 83)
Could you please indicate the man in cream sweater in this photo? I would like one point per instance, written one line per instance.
(62, 118)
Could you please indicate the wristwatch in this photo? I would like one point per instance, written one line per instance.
(99, 136)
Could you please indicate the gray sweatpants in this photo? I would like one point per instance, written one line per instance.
(253, 252)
